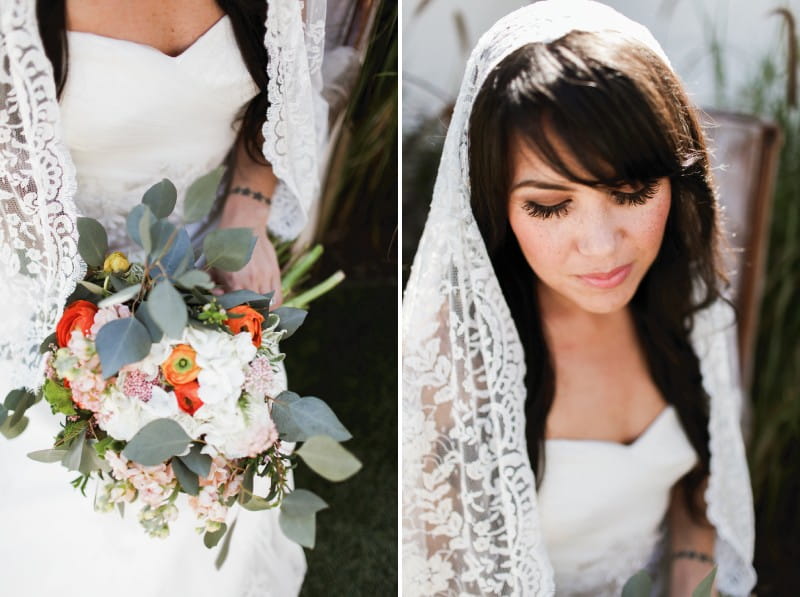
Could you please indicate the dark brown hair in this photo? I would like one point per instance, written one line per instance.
(248, 18)
(624, 117)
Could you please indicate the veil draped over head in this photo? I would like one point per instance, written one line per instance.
(470, 521)
(39, 261)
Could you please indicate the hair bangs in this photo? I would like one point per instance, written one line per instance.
(590, 124)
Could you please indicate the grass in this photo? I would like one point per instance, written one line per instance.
(346, 353)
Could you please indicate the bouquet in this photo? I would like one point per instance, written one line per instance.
(167, 386)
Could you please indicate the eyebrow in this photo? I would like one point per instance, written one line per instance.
(540, 184)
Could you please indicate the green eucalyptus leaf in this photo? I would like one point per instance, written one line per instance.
(706, 585)
(201, 196)
(121, 296)
(48, 456)
(240, 297)
(156, 442)
(246, 493)
(161, 198)
(146, 221)
(26, 400)
(326, 457)
(291, 319)
(638, 585)
(3, 414)
(162, 235)
(90, 461)
(298, 419)
(226, 546)
(195, 278)
(72, 459)
(118, 283)
(229, 249)
(44, 347)
(211, 539)
(297, 518)
(121, 342)
(256, 504)
(11, 431)
(167, 309)
(93, 288)
(134, 220)
(197, 462)
(92, 241)
(302, 502)
(14, 397)
(143, 314)
(188, 480)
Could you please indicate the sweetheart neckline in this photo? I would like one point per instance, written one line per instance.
(662, 415)
(148, 47)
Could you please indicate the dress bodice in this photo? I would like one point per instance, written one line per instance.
(132, 115)
(602, 503)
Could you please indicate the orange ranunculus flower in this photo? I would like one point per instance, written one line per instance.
(181, 365)
(250, 321)
(186, 395)
(77, 316)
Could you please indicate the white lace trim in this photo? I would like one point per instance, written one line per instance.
(470, 521)
(39, 260)
(295, 127)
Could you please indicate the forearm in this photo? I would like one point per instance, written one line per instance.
(259, 182)
(688, 535)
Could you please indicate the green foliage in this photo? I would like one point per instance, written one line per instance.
(161, 198)
(167, 308)
(298, 418)
(226, 545)
(188, 480)
(298, 516)
(92, 241)
(156, 442)
(59, 397)
(706, 585)
(229, 249)
(328, 458)
(211, 538)
(120, 297)
(201, 195)
(134, 220)
(197, 462)
(290, 319)
(638, 585)
(122, 342)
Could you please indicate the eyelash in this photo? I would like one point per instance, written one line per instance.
(639, 197)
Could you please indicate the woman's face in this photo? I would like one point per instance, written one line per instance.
(589, 246)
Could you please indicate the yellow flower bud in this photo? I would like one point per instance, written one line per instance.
(116, 263)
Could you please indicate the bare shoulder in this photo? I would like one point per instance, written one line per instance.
(170, 27)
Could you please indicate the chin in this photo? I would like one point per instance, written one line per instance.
(603, 302)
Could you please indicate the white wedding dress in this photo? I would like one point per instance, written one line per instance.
(131, 116)
(601, 505)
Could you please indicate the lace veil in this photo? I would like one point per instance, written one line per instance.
(39, 262)
(470, 521)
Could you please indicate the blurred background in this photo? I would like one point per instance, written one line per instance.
(738, 60)
(346, 352)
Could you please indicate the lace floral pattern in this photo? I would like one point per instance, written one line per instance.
(295, 126)
(39, 261)
(470, 520)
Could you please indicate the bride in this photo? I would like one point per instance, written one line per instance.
(99, 102)
(571, 399)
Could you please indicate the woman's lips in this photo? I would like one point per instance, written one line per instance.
(608, 279)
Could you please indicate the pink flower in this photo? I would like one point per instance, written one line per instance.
(260, 378)
(138, 385)
(106, 314)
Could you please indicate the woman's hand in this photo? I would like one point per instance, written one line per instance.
(689, 534)
(262, 273)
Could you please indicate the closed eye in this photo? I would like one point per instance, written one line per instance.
(639, 197)
(537, 210)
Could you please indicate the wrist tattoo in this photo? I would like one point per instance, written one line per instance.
(248, 192)
(691, 554)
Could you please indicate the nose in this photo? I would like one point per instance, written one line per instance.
(599, 232)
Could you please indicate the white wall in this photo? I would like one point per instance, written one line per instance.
(433, 63)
